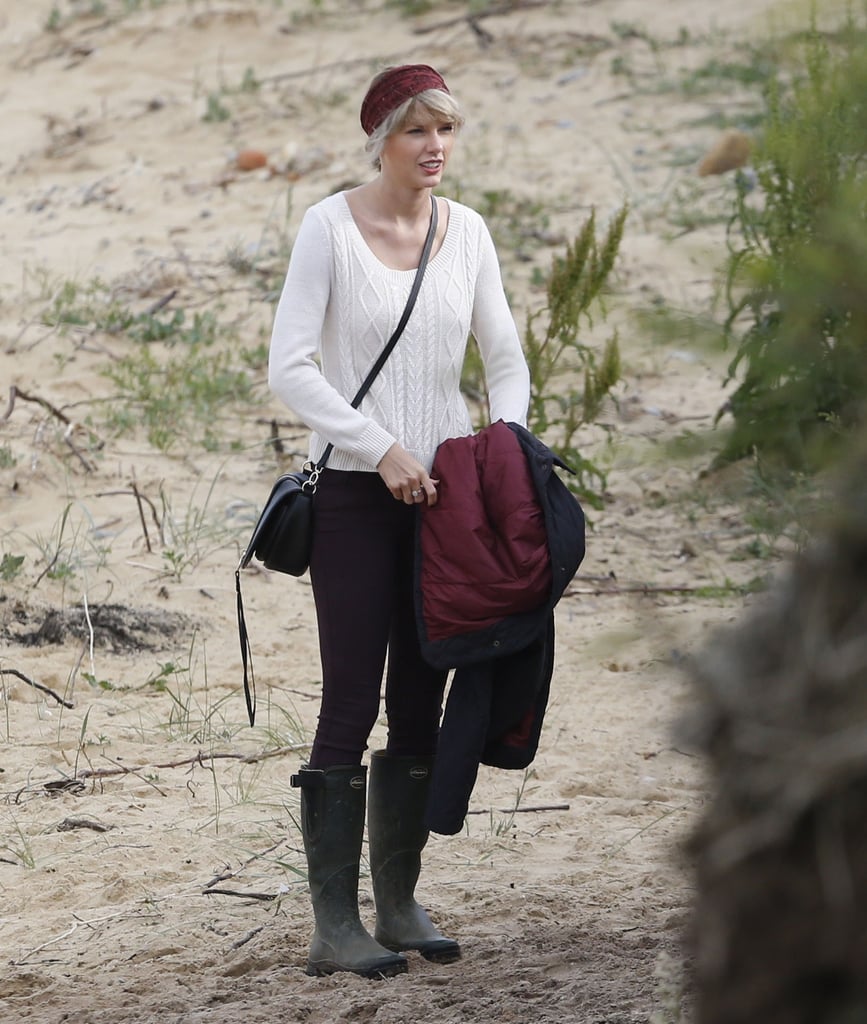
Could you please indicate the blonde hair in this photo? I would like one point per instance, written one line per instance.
(435, 102)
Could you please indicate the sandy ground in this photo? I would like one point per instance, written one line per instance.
(150, 862)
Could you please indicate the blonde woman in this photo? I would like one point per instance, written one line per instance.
(352, 267)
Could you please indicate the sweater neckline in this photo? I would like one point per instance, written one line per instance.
(370, 255)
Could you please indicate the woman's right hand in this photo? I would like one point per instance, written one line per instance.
(406, 478)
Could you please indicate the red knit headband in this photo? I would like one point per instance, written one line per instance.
(392, 88)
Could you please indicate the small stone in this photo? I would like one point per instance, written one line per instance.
(729, 153)
(251, 160)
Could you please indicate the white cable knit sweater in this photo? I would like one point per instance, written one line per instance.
(338, 308)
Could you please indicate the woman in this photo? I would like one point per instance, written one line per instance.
(349, 276)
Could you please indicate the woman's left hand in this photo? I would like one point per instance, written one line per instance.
(406, 478)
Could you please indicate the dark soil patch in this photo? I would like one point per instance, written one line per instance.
(116, 628)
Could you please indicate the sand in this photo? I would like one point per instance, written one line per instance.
(150, 861)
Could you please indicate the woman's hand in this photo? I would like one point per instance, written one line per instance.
(406, 478)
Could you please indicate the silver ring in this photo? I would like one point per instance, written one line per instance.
(415, 494)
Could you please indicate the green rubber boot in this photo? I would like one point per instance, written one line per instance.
(395, 825)
(332, 825)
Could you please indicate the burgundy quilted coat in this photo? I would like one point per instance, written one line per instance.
(493, 557)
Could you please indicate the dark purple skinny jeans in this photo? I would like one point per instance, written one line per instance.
(361, 571)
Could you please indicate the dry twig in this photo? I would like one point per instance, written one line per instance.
(609, 585)
(140, 500)
(226, 875)
(36, 686)
(246, 938)
(263, 896)
(200, 758)
(522, 810)
(489, 12)
(161, 303)
(16, 393)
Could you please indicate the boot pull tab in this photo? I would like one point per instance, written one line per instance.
(307, 778)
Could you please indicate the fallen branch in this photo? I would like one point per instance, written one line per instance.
(522, 810)
(38, 949)
(16, 392)
(201, 759)
(646, 588)
(36, 686)
(246, 938)
(72, 928)
(11, 404)
(226, 875)
(264, 896)
(89, 467)
(123, 770)
(155, 307)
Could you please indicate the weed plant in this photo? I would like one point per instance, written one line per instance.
(797, 271)
(181, 375)
(569, 379)
(189, 538)
(178, 396)
(62, 14)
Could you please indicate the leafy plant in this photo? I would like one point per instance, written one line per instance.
(10, 566)
(93, 307)
(569, 379)
(718, 76)
(216, 110)
(174, 396)
(797, 272)
(113, 10)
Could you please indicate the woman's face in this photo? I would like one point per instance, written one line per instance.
(416, 155)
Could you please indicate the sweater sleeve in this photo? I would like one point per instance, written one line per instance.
(294, 374)
(493, 327)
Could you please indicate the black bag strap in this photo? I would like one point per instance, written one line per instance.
(407, 311)
(246, 652)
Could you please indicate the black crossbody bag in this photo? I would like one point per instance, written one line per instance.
(283, 534)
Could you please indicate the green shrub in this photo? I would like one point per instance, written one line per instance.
(797, 271)
(179, 398)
